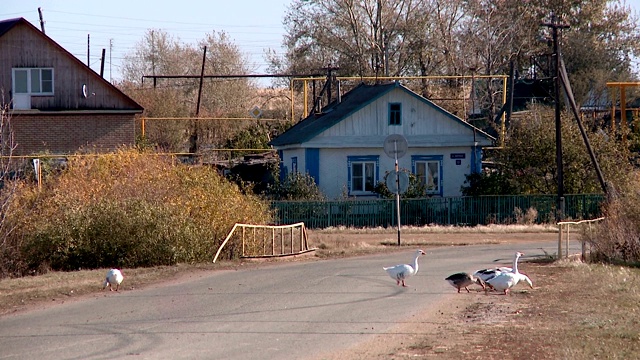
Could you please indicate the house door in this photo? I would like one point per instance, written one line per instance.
(21, 101)
(20, 87)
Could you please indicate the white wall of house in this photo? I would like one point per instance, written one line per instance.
(334, 170)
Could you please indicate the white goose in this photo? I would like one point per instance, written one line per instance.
(401, 272)
(490, 273)
(114, 277)
(462, 280)
(505, 280)
(487, 274)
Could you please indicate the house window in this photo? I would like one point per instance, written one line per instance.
(395, 114)
(294, 164)
(428, 170)
(363, 174)
(33, 81)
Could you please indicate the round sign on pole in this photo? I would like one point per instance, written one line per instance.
(395, 146)
(397, 182)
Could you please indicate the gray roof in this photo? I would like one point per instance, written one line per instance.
(352, 101)
(6, 25)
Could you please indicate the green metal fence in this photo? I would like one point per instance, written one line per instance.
(468, 211)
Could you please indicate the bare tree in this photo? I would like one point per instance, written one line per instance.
(451, 37)
(161, 54)
(363, 37)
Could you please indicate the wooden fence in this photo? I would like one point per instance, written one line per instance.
(259, 241)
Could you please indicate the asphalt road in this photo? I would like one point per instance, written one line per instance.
(294, 310)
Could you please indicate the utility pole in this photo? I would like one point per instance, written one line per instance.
(555, 26)
(110, 50)
(41, 20)
(102, 63)
(88, 42)
(204, 58)
(153, 59)
(193, 139)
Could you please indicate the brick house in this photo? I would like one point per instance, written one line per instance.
(56, 102)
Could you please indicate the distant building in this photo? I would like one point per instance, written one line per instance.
(57, 103)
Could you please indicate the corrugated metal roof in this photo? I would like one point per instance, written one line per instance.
(352, 101)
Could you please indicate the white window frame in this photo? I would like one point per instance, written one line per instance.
(428, 170)
(368, 172)
(35, 82)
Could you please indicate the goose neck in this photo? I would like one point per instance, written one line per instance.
(415, 263)
(515, 264)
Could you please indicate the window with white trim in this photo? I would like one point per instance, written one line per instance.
(363, 174)
(32, 81)
(428, 171)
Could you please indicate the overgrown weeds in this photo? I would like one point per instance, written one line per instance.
(617, 238)
(127, 209)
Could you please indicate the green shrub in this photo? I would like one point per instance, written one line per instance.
(415, 189)
(296, 186)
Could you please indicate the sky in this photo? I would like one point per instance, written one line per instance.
(118, 25)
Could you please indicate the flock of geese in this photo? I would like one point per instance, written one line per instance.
(500, 279)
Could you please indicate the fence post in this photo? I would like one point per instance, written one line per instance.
(559, 256)
(566, 242)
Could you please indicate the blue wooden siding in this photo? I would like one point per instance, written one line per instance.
(312, 163)
(476, 159)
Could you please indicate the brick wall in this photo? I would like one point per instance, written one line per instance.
(67, 133)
